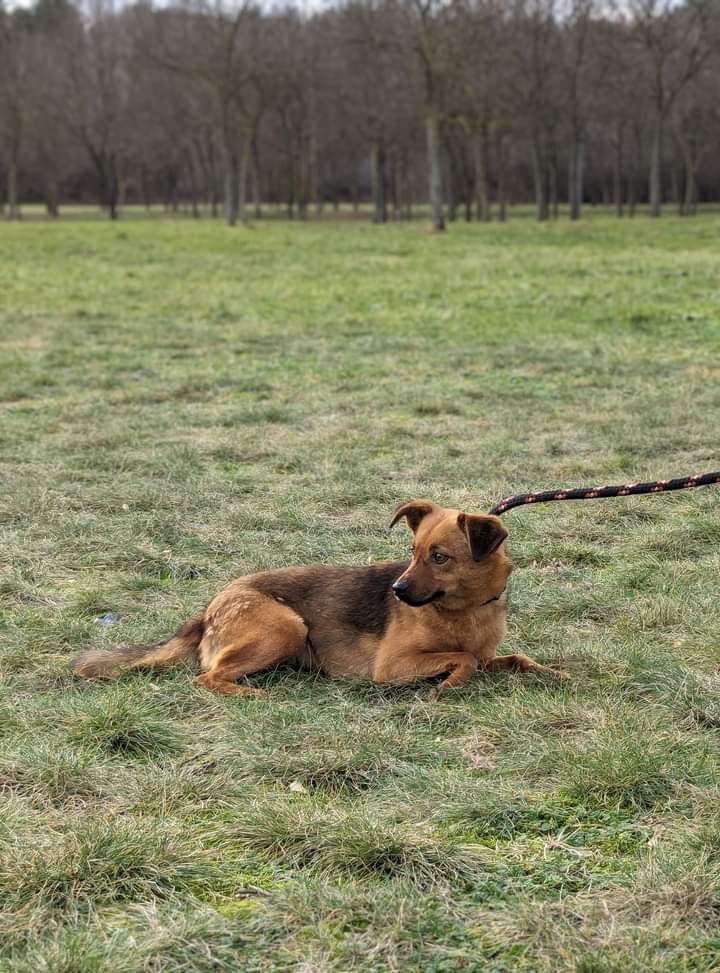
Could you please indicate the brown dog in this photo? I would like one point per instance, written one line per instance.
(443, 613)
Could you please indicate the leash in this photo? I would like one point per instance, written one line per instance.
(601, 493)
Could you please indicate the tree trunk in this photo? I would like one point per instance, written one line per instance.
(144, 188)
(575, 176)
(655, 190)
(482, 192)
(242, 182)
(52, 196)
(435, 171)
(212, 180)
(690, 203)
(232, 185)
(231, 181)
(113, 187)
(553, 186)
(540, 180)
(633, 171)
(397, 170)
(290, 208)
(255, 174)
(303, 179)
(501, 194)
(315, 192)
(13, 202)
(677, 197)
(292, 178)
(378, 183)
(617, 173)
(192, 187)
(450, 183)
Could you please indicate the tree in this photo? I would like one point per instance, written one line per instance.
(575, 39)
(87, 86)
(677, 41)
(479, 100)
(212, 45)
(14, 88)
(695, 117)
(422, 25)
(535, 82)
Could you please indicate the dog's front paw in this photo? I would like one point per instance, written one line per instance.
(559, 674)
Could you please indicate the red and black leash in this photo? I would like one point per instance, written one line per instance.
(599, 493)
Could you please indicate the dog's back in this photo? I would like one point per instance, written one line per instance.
(331, 598)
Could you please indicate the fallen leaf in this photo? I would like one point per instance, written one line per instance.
(480, 753)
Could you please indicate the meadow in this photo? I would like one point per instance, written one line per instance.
(182, 403)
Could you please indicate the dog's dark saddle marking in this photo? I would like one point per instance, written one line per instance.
(369, 594)
(362, 594)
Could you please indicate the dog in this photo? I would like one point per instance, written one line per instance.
(443, 613)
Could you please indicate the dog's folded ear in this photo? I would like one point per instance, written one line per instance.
(484, 532)
(415, 511)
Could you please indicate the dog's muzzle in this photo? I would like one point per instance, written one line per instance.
(400, 590)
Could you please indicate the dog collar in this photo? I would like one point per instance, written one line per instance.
(491, 600)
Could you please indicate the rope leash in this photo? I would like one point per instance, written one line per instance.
(600, 493)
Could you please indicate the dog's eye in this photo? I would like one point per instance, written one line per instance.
(437, 558)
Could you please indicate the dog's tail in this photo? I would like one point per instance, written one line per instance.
(99, 664)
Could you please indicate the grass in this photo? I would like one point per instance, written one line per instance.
(181, 404)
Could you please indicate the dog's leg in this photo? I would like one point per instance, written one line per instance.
(270, 639)
(424, 665)
(522, 663)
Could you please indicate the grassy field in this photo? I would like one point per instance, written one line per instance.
(183, 403)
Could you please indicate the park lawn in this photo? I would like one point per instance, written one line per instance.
(183, 403)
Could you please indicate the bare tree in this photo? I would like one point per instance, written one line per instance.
(211, 44)
(677, 41)
(88, 88)
(479, 99)
(536, 56)
(422, 23)
(575, 37)
(696, 115)
(14, 87)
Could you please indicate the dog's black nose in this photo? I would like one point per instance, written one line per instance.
(400, 585)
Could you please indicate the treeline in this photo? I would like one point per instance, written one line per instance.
(470, 104)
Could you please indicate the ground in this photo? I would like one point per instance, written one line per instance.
(183, 403)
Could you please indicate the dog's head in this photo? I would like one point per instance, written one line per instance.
(458, 559)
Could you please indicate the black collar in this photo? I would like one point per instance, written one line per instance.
(490, 600)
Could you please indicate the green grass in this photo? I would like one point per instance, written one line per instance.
(181, 404)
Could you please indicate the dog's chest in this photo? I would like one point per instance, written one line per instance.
(479, 632)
